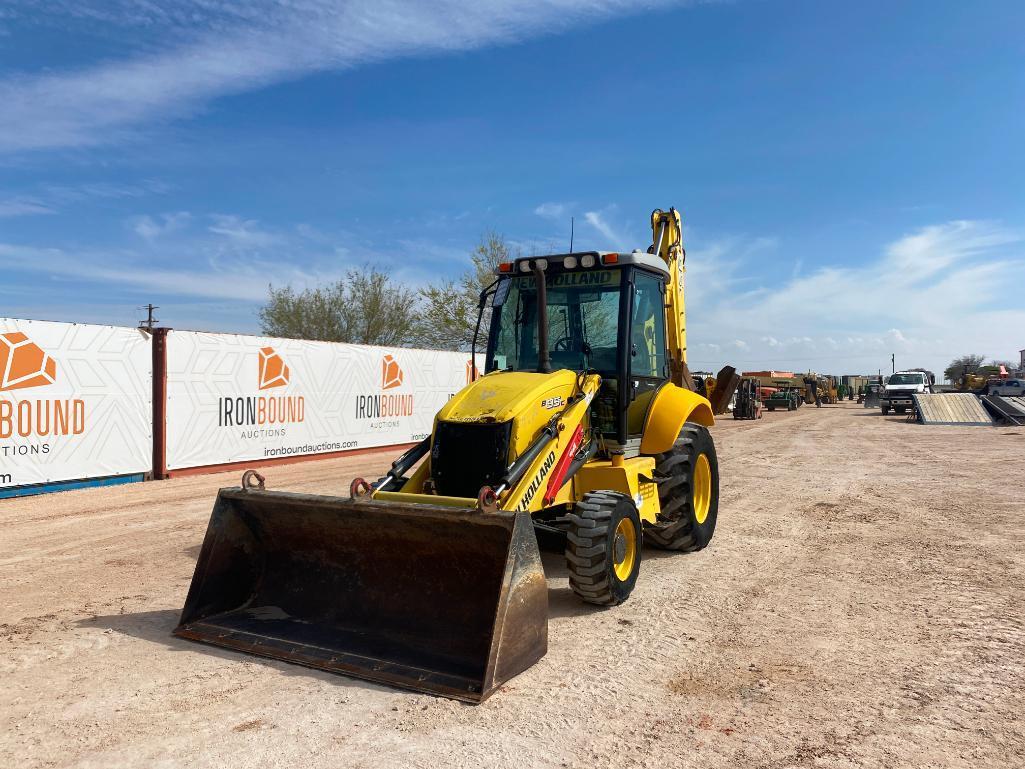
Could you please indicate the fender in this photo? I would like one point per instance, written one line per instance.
(671, 407)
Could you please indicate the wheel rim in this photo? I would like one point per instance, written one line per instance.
(702, 500)
(625, 552)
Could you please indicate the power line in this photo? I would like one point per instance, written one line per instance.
(150, 323)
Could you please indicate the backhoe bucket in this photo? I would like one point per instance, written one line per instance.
(436, 599)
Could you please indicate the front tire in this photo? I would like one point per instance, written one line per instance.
(603, 547)
(689, 493)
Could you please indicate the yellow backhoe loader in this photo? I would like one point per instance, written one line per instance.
(582, 432)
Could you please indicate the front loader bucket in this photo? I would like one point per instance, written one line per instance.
(441, 600)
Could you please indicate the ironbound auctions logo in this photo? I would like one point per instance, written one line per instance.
(384, 404)
(258, 410)
(23, 364)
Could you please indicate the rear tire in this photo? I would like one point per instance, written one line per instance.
(886, 410)
(603, 547)
(683, 525)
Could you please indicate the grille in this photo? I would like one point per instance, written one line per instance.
(467, 456)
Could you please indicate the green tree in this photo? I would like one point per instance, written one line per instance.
(449, 309)
(364, 307)
(959, 366)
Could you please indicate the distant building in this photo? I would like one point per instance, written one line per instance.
(784, 374)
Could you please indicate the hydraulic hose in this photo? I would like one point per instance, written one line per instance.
(544, 361)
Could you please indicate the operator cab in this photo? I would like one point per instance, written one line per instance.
(605, 314)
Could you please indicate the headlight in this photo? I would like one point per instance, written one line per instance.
(524, 266)
(541, 264)
(569, 262)
(587, 260)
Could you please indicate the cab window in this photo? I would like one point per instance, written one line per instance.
(649, 367)
(648, 329)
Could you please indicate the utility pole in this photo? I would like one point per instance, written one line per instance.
(893, 363)
(150, 321)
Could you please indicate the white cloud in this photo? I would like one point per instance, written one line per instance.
(929, 296)
(211, 278)
(152, 227)
(554, 211)
(233, 259)
(61, 194)
(50, 198)
(245, 233)
(23, 207)
(226, 50)
(600, 223)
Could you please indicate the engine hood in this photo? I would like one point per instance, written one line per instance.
(527, 399)
(504, 395)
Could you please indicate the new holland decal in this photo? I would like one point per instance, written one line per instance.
(535, 484)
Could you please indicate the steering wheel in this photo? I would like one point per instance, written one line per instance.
(563, 345)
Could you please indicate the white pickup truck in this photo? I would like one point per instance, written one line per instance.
(900, 388)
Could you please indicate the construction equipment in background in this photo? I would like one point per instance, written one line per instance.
(981, 380)
(855, 383)
(827, 389)
(785, 399)
(971, 383)
(873, 395)
(812, 394)
(792, 387)
(795, 394)
(580, 431)
(725, 385)
(749, 403)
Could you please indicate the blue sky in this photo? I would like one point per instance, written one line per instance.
(851, 173)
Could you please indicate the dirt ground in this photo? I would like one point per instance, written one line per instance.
(860, 605)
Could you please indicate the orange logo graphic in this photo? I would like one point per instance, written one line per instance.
(23, 363)
(273, 371)
(470, 371)
(391, 374)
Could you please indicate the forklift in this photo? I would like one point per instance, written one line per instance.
(749, 404)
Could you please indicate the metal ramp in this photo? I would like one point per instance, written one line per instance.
(1009, 409)
(951, 409)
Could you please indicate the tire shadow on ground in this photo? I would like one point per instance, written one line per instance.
(562, 601)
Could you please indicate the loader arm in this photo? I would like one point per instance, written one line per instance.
(667, 243)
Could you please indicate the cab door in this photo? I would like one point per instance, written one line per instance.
(646, 351)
